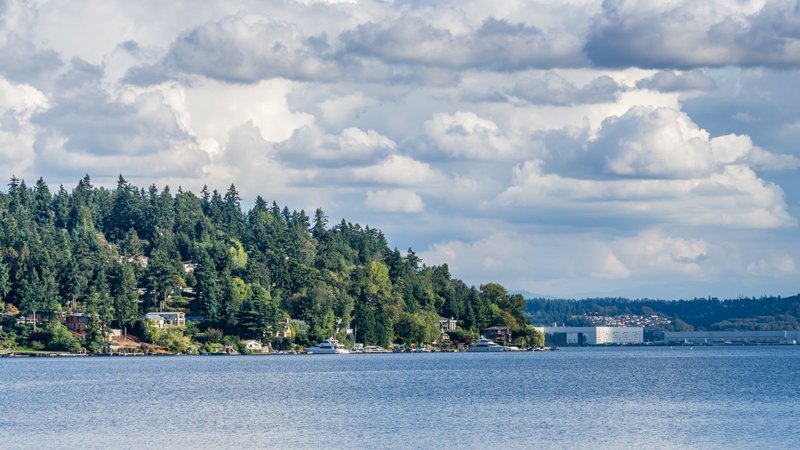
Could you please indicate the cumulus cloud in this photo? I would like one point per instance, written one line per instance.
(685, 34)
(653, 251)
(248, 48)
(734, 197)
(773, 265)
(312, 104)
(495, 45)
(649, 142)
(18, 103)
(87, 127)
(465, 135)
(759, 103)
(339, 110)
(311, 146)
(94, 121)
(663, 142)
(536, 262)
(672, 81)
(656, 165)
(23, 60)
(394, 170)
(551, 88)
(397, 200)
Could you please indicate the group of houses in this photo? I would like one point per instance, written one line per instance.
(497, 334)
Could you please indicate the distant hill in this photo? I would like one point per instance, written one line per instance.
(529, 294)
(765, 313)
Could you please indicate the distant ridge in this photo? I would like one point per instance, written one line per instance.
(529, 294)
(757, 314)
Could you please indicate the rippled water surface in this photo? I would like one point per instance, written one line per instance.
(720, 397)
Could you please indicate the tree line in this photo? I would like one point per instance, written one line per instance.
(762, 313)
(115, 254)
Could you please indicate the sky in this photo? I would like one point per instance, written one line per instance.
(569, 149)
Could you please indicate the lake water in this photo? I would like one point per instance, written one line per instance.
(718, 397)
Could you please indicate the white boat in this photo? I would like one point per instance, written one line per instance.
(485, 345)
(329, 346)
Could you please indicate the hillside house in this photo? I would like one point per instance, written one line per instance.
(497, 334)
(167, 318)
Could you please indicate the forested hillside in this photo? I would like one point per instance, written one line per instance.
(115, 254)
(765, 313)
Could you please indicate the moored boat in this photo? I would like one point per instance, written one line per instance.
(485, 345)
(329, 346)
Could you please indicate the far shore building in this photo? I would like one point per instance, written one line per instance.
(497, 334)
(167, 318)
(731, 337)
(592, 335)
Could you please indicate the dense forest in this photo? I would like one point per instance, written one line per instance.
(115, 254)
(765, 313)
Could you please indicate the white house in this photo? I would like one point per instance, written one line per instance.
(253, 345)
(167, 318)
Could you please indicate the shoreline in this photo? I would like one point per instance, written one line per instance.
(45, 354)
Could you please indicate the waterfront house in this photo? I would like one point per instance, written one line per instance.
(447, 325)
(497, 334)
(75, 322)
(283, 328)
(167, 318)
(253, 345)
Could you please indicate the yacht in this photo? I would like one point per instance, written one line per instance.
(329, 346)
(485, 345)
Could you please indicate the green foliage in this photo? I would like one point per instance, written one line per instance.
(173, 340)
(8, 341)
(61, 339)
(117, 253)
(419, 327)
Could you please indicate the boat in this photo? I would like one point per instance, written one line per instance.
(485, 345)
(375, 349)
(329, 346)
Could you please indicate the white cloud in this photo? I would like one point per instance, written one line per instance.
(18, 103)
(672, 81)
(536, 262)
(23, 60)
(311, 146)
(652, 251)
(611, 118)
(774, 265)
(397, 200)
(685, 33)
(395, 170)
(467, 135)
(550, 88)
(495, 45)
(663, 142)
(339, 110)
(734, 197)
(249, 48)
(210, 109)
